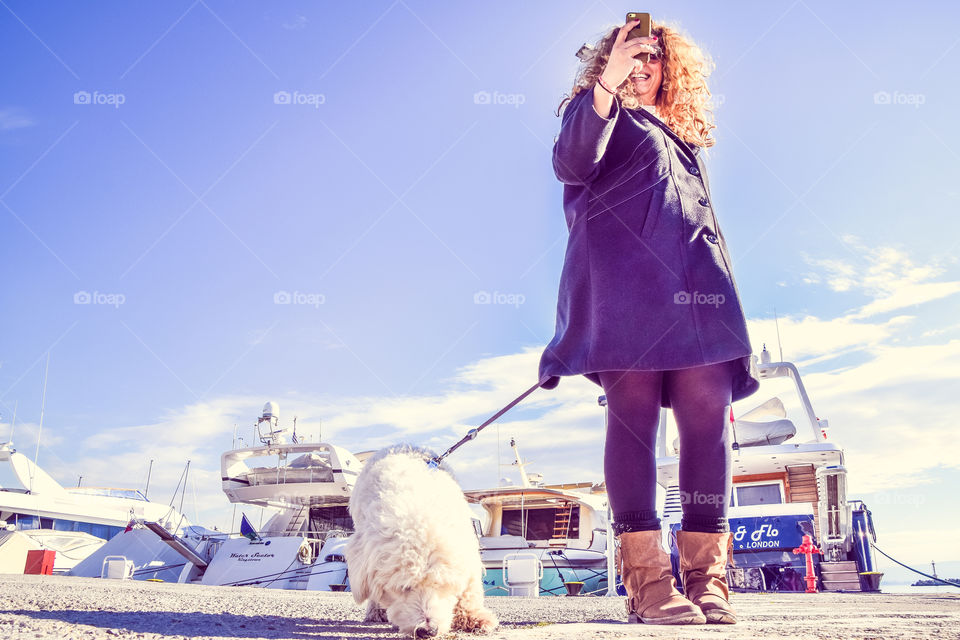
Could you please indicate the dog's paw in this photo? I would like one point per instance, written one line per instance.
(481, 620)
(375, 614)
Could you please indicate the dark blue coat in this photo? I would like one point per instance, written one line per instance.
(646, 281)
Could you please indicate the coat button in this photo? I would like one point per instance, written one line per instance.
(711, 238)
(692, 169)
(703, 202)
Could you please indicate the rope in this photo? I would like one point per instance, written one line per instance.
(926, 575)
(298, 573)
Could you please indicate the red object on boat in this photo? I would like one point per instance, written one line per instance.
(808, 550)
(40, 562)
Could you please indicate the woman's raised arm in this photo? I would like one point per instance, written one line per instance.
(590, 117)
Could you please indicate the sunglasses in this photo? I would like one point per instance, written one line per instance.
(659, 56)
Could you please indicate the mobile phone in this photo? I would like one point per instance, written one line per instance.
(641, 30)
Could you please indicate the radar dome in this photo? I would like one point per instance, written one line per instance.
(271, 411)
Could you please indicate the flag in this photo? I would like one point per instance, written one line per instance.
(246, 529)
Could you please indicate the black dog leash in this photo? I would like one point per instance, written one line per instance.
(435, 462)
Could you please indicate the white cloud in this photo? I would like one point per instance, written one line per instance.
(26, 434)
(809, 336)
(886, 274)
(13, 118)
(298, 23)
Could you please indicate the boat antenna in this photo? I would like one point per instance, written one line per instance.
(499, 459)
(776, 322)
(186, 474)
(146, 489)
(43, 403)
(177, 488)
(14, 422)
(524, 479)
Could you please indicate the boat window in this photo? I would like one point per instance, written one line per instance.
(833, 506)
(29, 522)
(752, 494)
(542, 524)
(328, 518)
(100, 531)
(129, 494)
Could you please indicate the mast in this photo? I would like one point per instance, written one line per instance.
(43, 404)
(524, 480)
(146, 489)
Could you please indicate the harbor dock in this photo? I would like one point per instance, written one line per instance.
(89, 608)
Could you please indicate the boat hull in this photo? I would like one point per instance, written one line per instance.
(559, 566)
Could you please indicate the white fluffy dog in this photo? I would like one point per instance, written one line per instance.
(414, 555)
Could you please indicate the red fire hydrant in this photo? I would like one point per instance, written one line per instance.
(808, 550)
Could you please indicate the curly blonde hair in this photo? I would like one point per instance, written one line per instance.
(684, 103)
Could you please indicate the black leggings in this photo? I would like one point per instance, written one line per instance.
(700, 399)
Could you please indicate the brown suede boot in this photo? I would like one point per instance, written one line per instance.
(703, 569)
(652, 596)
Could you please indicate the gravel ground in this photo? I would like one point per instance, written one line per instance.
(65, 607)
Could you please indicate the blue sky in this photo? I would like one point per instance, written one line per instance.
(185, 166)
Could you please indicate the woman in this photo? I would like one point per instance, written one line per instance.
(649, 310)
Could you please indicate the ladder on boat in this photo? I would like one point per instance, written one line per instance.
(561, 523)
(296, 522)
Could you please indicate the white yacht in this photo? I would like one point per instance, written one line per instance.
(306, 484)
(309, 485)
(789, 480)
(39, 513)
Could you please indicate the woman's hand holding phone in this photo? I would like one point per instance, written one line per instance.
(620, 65)
(622, 62)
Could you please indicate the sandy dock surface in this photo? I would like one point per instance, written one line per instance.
(65, 607)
